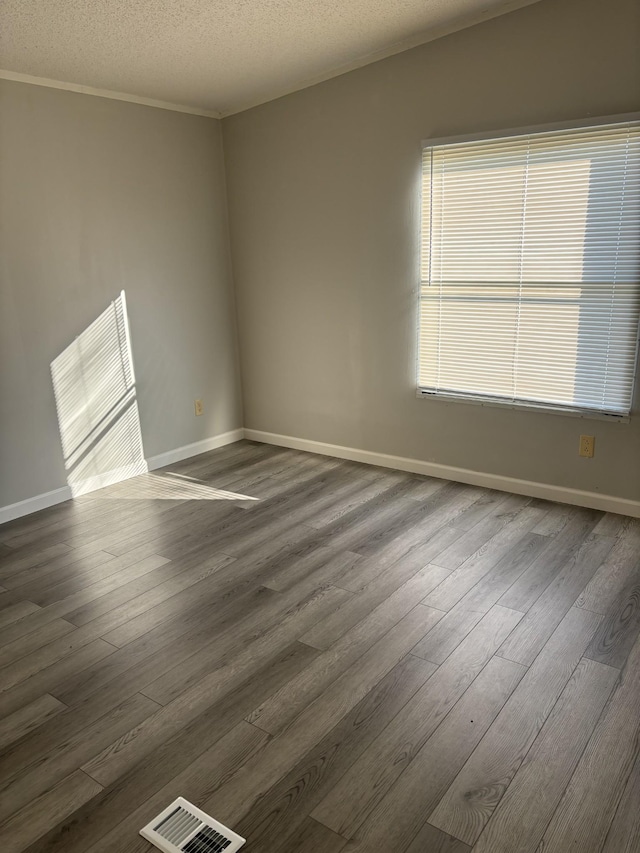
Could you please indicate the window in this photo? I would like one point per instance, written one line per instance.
(530, 269)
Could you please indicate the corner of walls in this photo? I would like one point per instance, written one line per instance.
(195, 449)
(57, 496)
(103, 197)
(232, 278)
(326, 292)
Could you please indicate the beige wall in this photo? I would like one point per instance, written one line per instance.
(99, 196)
(324, 230)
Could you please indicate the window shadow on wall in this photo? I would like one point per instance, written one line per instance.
(95, 393)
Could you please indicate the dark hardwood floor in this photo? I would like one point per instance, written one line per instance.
(323, 655)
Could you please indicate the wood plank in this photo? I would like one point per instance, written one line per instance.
(281, 462)
(176, 532)
(473, 796)
(67, 511)
(278, 515)
(8, 598)
(489, 589)
(618, 570)
(70, 564)
(88, 520)
(290, 572)
(168, 486)
(407, 804)
(53, 764)
(486, 504)
(241, 455)
(142, 661)
(587, 809)
(52, 735)
(619, 629)
(319, 493)
(238, 796)
(504, 512)
(612, 524)
(378, 594)
(385, 519)
(59, 591)
(418, 548)
(44, 680)
(312, 835)
(145, 611)
(195, 783)
(153, 513)
(555, 520)
(280, 811)
(228, 643)
(363, 492)
(432, 840)
(211, 688)
(305, 465)
(91, 517)
(33, 641)
(475, 567)
(105, 595)
(624, 834)
(28, 718)
(15, 612)
(352, 800)
(523, 813)
(172, 757)
(32, 663)
(279, 556)
(275, 714)
(18, 563)
(609, 582)
(118, 589)
(284, 619)
(424, 538)
(44, 811)
(447, 634)
(228, 582)
(544, 616)
(559, 552)
(447, 502)
(75, 581)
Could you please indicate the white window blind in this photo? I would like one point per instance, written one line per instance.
(530, 268)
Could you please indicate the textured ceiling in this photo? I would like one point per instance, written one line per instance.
(218, 55)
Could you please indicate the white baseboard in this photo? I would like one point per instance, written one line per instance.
(108, 478)
(194, 449)
(26, 507)
(607, 503)
(593, 500)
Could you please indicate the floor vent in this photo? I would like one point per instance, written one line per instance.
(183, 828)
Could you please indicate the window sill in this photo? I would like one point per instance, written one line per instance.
(524, 407)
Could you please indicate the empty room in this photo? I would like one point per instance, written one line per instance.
(320, 426)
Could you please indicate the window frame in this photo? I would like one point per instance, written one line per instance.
(517, 405)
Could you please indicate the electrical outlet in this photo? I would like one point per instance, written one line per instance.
(199, 408)
(586, 445)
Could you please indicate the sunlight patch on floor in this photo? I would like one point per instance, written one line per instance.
(170, 487)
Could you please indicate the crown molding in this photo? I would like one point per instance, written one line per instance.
(17, 77)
